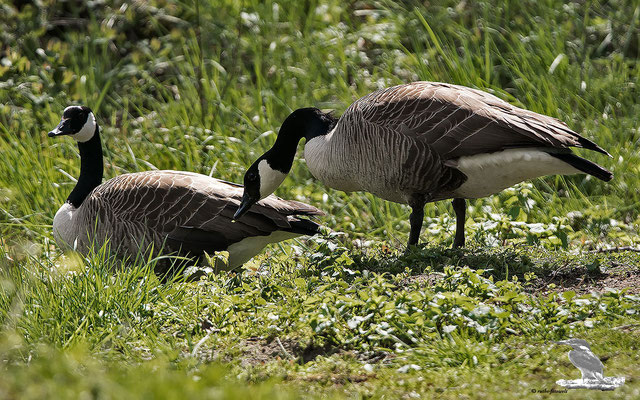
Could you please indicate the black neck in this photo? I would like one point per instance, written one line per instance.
(305, 123)
(90, 169)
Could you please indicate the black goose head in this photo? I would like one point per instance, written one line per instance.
(80, 123)
(267, 173)
(260, 180)
(77, 122)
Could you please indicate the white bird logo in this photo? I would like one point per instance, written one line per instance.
(590, 366)
(583, 358)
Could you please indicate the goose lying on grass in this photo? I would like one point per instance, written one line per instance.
(165, 212)
(422, 142)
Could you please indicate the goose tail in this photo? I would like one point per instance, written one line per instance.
(584, 165)
(303, 226)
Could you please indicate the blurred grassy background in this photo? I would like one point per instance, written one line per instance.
(204, 86)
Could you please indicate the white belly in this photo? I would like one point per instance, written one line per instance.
(64, 231)
(244, 250)
(491, 173)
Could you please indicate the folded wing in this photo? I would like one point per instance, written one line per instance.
(458, 121)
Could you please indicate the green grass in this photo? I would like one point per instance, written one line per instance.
(203, 86)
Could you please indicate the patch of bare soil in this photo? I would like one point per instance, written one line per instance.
(576, 276)
(582, 280)
(259, 351)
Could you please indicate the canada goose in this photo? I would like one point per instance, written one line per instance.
(179, 212)
(423, 142)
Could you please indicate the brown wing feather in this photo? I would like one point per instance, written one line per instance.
(189, 211)
(458, 121)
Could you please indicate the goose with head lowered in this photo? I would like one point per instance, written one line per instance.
(423, 142)
(168, 212)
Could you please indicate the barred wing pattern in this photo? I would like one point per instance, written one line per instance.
(429, 125)
(182, 211)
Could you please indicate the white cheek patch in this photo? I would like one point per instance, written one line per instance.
(270, 179)
(87, 131)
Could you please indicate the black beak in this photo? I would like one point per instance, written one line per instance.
(245, 205)
(61, 129)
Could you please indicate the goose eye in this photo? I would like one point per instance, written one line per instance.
(252, 176)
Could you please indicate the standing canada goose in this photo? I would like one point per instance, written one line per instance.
(423, 142)
(179, 212)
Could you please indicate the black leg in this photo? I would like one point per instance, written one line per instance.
(460, 208)
(415, 219)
